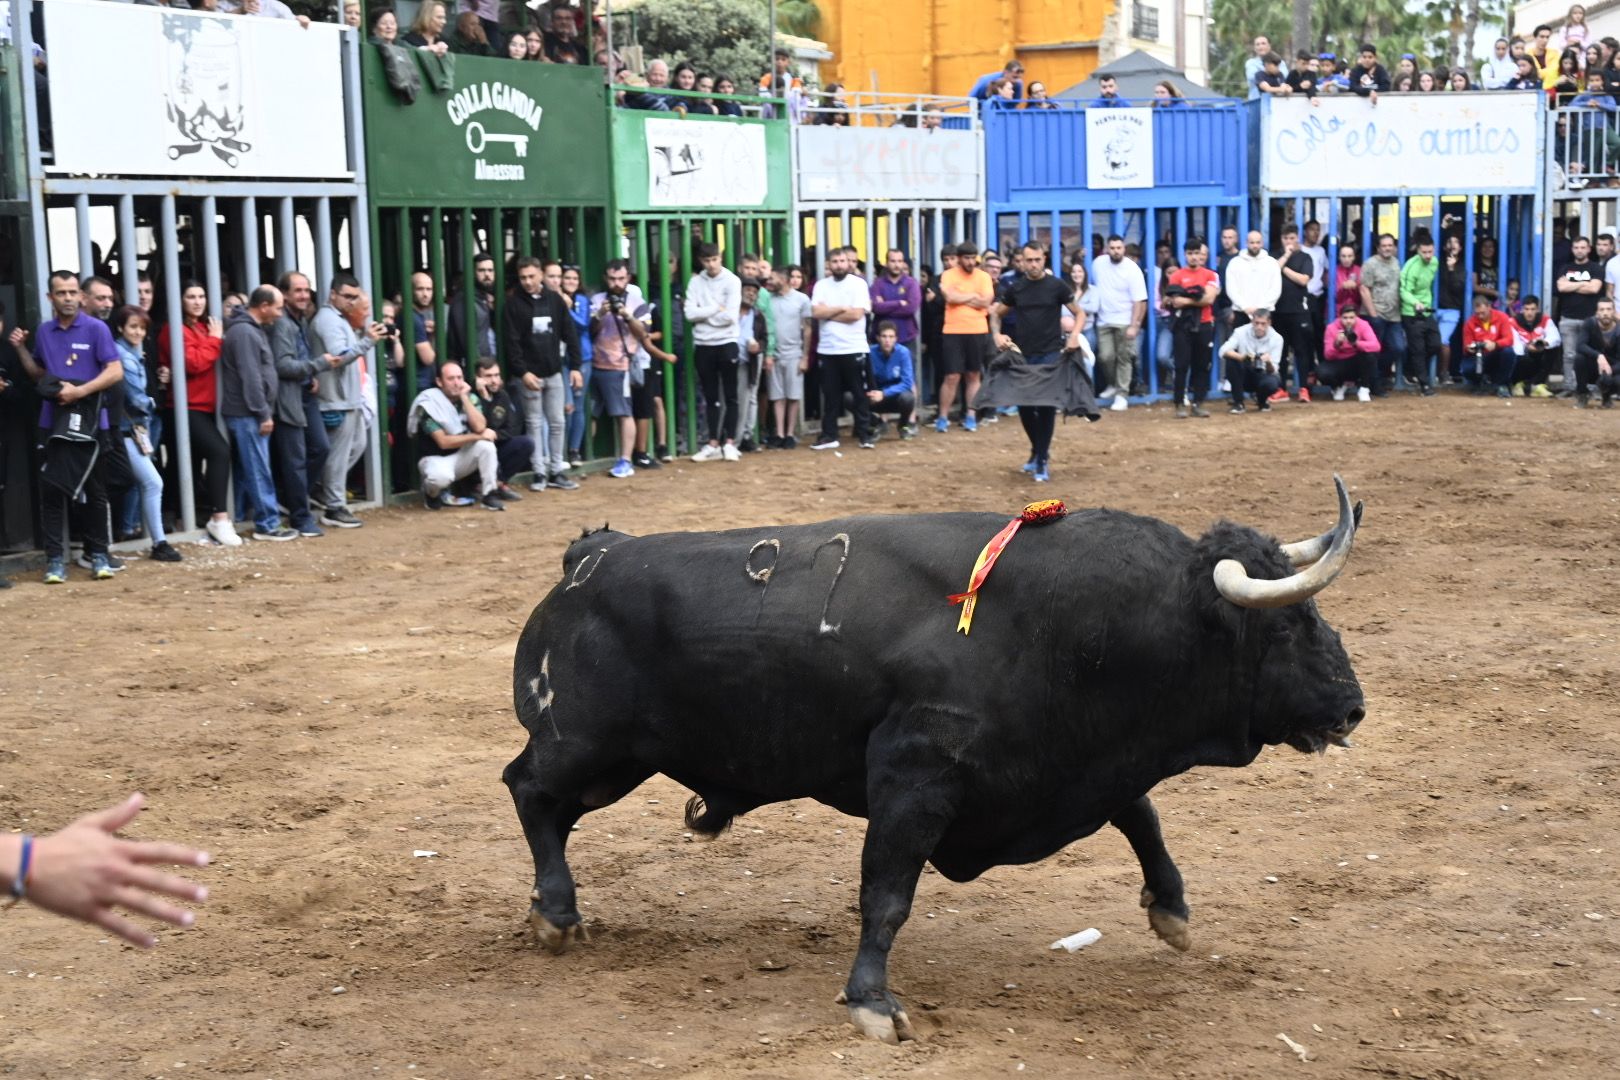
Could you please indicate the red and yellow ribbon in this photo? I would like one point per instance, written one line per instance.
(1036, 513)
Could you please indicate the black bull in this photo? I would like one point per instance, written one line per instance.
(1108, 652)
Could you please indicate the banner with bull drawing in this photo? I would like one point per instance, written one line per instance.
(1119, 148)
(196, 95)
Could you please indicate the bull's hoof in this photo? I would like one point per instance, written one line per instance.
(883, 1020)
(558, 939)
(1171, 928)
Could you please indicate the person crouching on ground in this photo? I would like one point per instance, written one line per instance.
(1253, 355)
(1352, 350)
(1535, 339)
(893, 388)
(1488, 345)
(513, 449)
(454, 441)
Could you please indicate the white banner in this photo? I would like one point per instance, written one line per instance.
(1119, 148)
(194, 95)
(856, 164)
(1462, 142)
(698, 163)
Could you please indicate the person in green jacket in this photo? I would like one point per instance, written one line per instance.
(1417, 313)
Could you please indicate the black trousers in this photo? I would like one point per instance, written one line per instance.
(1361, 369)
(1296, 334)
(512, 456)
(1422, 342)
(210, 462)
(97, 518)
(1192, 353)
(717, 376)
(840, 374)
(904, 403)
(1536, 364)
(1040, 424)
(1586, 374)
(1249, 378)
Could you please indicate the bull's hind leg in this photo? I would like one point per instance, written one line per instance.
(1161, 882)
(547, 819)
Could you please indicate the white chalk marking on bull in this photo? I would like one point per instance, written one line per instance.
(840, 538)
(544, 695)
(762, 576)
(585, 564)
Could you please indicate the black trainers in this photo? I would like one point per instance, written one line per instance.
(644, 461)
(1237, 407)
(561, 482)
(339, 518)
(745, 447)
(492, 501)
(279, 533)
(163, 551)
(663, 453)
(789, 442)
(1428, 390)
(114, 564)
(505, 493)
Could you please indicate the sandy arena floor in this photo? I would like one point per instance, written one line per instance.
(1439, 902)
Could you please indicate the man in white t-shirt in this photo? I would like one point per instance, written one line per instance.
(1611, 265)
(840, 304)
(1122, 306)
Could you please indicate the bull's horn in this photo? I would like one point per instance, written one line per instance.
(1306, 552)
(1234, 583)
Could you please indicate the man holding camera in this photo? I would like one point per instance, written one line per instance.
(1351, 350)
(615, 335)
(1253, 356)
(1417, 314)
(1488, 345)
(1535, 336)
(1191, 299)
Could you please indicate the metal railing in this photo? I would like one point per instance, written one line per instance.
(1583, 141)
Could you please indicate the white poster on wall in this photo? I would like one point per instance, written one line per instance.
(853, 164)
(195, 95)
(1119, 148)
(694, 163)
(1420, 142)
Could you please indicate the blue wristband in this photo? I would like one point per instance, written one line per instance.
(19, 884)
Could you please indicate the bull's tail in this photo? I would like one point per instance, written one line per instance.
(709, 819)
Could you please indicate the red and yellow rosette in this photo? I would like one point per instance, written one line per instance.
(1036, 513)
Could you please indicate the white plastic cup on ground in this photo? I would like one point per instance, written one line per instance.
(1076, 942)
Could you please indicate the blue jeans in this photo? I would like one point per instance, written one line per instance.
(1392, 341)
(129, 518)
(253, 460)
(147, 494)
(576, 419)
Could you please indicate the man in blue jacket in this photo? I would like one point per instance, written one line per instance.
(893, 382)
(1013, 70)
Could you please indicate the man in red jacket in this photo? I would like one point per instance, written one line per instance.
(1352, 350)
(1487, 343)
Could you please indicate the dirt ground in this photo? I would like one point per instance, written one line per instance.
(1438, 902)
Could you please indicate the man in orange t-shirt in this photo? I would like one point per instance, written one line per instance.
(969, 294)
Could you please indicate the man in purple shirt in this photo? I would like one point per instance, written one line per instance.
(897, 297)
(78, 350)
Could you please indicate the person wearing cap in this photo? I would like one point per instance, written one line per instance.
(1406, 65)
(1329, 78)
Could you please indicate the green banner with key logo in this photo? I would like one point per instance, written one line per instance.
(508, 132)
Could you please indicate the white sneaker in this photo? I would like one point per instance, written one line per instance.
(824, 444)
(1108, 393)
(708, 453)
(1363, 394)
(1338, 392)
(1120, 404)
(729, 452)
(223, 532)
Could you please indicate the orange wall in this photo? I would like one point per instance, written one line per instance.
(942, 46)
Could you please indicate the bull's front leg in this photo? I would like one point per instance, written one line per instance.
(1161, 882)
(910, 806)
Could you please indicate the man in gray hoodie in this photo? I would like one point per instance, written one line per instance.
(247, 401)
(298, 445)
(334, 334)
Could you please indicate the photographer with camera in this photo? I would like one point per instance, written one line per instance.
(1190, 296)
(1417, 313)
(1535, 337)
(1253, 355)
(1487, 346)
(1351, 349)
(616, 334)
